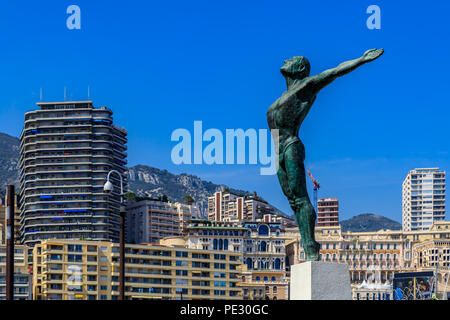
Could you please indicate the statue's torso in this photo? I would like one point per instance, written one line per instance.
(288, 112)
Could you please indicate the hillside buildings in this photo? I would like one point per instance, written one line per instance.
(423, 199)
(328, 212)
(149, 220)
(226, 206)
(66, 151)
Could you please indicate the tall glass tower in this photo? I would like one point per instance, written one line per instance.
(66, 151)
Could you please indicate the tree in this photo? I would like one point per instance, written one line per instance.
(164, 198)
(188, 200)
(130, 196)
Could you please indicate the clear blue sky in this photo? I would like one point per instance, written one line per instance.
(161, 65)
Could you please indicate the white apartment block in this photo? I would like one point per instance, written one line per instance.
(423, 199)
(148, 221)
(226, 206)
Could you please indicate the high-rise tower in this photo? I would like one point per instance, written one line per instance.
(423, 199)
(66, 151)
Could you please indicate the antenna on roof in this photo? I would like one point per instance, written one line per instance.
(40, 94)
(89, 93)
(64, 93)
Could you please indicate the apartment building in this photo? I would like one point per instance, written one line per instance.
(327, 212)
(149, 220)
(89, 270)
(218, 205)
(423, 198)
(22, 274)
(255, 210)
(226, 206)
(66, 151)
(265, 258)
(17, 220)
(378, 254)
(215, 235)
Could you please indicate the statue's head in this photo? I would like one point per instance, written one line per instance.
(296, 68)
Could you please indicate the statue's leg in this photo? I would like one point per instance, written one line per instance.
(304, 211)
(284, 182)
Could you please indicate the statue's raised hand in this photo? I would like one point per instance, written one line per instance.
(372, 54)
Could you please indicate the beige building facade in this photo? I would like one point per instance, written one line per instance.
(265, 258)
(89, 270)
(22, 273)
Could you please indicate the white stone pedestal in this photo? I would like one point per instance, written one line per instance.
(316, 280)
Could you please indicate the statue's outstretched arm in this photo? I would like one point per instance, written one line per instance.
(326, 77)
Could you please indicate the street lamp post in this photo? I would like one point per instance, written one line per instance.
(109, 187)
(10, 242)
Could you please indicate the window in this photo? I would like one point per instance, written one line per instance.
(263, 230)
(183, 254)
(263, 246)
(277, 264)
(180, 263)
(74, 258)
(74, 248)
(249, 263)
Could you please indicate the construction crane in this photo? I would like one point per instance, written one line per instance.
(315, 188)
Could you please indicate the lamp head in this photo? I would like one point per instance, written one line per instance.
(108, 187)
